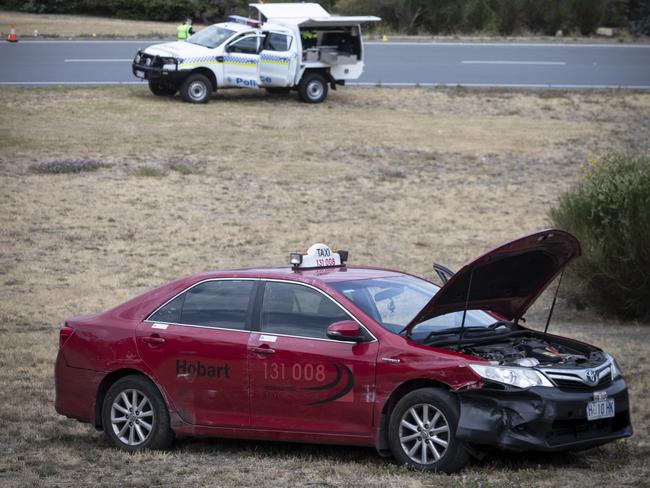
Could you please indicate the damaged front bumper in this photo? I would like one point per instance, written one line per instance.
(540, 418)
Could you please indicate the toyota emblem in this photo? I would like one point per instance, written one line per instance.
(591, 375)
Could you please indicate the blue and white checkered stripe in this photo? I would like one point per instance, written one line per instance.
(273, 59)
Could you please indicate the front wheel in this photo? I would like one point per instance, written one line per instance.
(134, 415)
(196, 89)
(422, 432)
(313, 88)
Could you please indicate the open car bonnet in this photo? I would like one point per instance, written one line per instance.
(506, 280)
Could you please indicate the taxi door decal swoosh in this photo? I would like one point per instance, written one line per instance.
(348, 387)
(328, 385)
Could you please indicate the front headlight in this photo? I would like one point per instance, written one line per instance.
(615, 368)
(519, 377)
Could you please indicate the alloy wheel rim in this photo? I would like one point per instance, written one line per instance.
(424, 433)
(197, 90)
(132, 417)
(315, 90)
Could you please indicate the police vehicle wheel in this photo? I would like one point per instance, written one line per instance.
(134, 415)
(162, 89)
(278, 90)
(313, 88)
(422, 432)
(196, 89)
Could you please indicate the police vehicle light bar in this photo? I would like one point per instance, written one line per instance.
(243, 20)
(318, 256)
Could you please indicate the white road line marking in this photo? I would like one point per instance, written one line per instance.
(81, 41)
(98, 60)
(501, 85)
(543, 63)
(72, 83)
(503, 44)
(371, 43)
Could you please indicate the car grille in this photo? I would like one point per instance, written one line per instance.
(580, 386)
(578, 379)
(147, 60)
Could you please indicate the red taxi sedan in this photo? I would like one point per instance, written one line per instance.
(323, 352)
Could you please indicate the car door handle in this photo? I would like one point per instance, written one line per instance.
(263, 350)
(154, 339)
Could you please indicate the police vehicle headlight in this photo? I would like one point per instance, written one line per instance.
(138, 58)
(519, 377)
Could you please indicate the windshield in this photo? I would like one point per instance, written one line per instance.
(393, 302)
(211, 37)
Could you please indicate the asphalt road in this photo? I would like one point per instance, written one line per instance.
(522, 65)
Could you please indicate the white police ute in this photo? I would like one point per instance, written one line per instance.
(282, 47)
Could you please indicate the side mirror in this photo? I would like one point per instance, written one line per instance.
(346, 330)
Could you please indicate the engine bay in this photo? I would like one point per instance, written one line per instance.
(530, 350)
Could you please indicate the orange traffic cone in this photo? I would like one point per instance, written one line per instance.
(12, 34)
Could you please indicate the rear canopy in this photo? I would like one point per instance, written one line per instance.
(306, 15)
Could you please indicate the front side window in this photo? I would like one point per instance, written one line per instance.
(297, 310)
(219, 304)
(246, 45)
(277, 42)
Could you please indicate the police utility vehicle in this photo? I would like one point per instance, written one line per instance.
(285, 46)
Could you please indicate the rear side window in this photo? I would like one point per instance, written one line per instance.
(219, 304)
(171, 312)
(277, 42)
(297, 310)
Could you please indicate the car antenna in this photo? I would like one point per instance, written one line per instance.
(550, 312)
(462, 324)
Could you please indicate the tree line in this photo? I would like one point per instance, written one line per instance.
(504, 17)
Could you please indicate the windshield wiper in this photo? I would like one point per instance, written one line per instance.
(458, 330)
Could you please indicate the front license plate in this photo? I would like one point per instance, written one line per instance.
(600, 409)
(139, 74)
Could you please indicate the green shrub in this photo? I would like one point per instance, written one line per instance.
(609, 212)
(64, 166)
(148, 172)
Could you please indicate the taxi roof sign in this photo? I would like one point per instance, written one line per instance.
(318, 256)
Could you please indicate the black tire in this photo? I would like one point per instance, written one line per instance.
(196, 88)
(162, 89)
(453, 457)
(278, 90)
(313, 88)
(160, 435)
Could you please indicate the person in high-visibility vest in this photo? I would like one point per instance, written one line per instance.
(185, 30)
(309, 38)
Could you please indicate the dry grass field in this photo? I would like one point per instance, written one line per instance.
(56, 25)
(398, 177)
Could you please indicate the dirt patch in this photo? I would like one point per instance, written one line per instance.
(398, 177)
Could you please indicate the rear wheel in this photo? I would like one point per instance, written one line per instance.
(422, 432)
(162, 89)
(313, 88)
(196, 89)
(134, 415)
